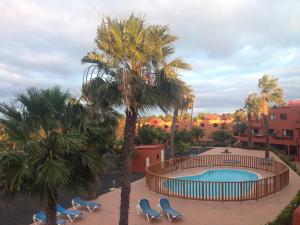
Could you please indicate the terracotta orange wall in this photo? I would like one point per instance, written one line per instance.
(292, 123)
(143, 152)
(186, 124)
(293, 118)
(160, 123)
(296, 216)
(209, 126)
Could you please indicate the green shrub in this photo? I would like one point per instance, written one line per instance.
(184, 136)
(286, 160)
(222, 137)
(181, 147)
(148, 135)
(197, 133)
(285, 217)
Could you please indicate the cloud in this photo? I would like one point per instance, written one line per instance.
(229, 44)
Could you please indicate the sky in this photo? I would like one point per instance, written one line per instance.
(230, 44)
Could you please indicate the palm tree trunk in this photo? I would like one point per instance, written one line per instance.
(266, 127)
(250, 143)
(129, 135)
(240, 144)
(192, 112)
(51, 209)
(173, 128)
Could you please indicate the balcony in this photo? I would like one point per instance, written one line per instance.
(280, 140)
(281, 137)
(258, 136)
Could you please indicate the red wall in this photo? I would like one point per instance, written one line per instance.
(296, 216)
(153, 152)
(291, 123)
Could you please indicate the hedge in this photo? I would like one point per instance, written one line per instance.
(285, 217)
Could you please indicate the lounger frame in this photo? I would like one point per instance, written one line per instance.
(140, 211)
(37, 221)
(91, 209)
(170, 217)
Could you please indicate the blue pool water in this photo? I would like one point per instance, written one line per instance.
(211, 187)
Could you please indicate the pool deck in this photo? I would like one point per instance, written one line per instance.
(197, 212)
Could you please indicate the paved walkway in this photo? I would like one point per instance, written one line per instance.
(197, 212)
(297, 163)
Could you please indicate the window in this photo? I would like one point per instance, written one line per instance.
(288, 133)
(255, 131)
(157, 156)
(271, 131)
(283, 116)
(272, 116)
(202, 125)
(215, 125)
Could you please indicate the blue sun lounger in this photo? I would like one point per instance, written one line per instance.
(166, 208)
(144, 208)
(91, 206)
(42, 218)
(71, 214)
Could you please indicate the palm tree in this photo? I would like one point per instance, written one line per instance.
(253, 110)
(98, 125)
(46, 153)
(184, 100)
(239, 126)
(130, 69)
(270, 93)
(192, 112)
(197, 133)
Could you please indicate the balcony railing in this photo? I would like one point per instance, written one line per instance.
(282, 137)
(258, 136)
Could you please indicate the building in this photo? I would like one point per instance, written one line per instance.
(157, 122)
(284, 129)
(214, 122)
(209, 124)
(146, 155)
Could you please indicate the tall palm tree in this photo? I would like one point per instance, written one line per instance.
(184, 100)
(253, 110)
(271, 93)
(239, 126)
(131, 70)
(46, 154)
(192, 112)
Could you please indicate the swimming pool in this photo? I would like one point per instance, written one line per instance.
(217, 183)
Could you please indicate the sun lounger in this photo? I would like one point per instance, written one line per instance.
(144, 208)
(41, 217)
(91, 206)
(71, 214)
(165, 207)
